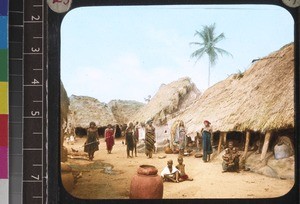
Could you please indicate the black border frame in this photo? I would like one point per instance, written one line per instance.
(56, 192)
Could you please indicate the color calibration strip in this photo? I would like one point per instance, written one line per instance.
(4, 102)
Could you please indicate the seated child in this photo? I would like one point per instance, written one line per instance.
(170, 172)
(181, 167)
(227, 164)
(236, 159)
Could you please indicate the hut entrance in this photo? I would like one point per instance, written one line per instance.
(101, 131)
(79, 131)
(236, 137)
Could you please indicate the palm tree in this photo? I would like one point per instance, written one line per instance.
(208, 46)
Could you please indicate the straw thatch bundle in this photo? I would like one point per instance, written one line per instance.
(260, 99)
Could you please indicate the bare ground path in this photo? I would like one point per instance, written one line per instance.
(98, 182)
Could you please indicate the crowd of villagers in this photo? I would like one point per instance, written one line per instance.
(170, 172)
(132, 133)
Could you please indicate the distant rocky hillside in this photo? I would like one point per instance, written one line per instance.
(84, 109)
(169, 101)
(124, 109)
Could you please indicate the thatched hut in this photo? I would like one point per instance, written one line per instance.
(259, 101)
(64, 109)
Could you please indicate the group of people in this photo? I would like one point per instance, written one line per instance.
(230, 158)
(180, 140)
(131, 139)
(175, 173)
(91, 144)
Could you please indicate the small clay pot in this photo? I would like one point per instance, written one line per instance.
(168, 150)
(176, 151)
(146, 184)
(198, 155)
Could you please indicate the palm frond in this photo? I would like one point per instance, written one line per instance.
(223, 52)
(196, 43)
(198, 53)
(219, 38)
(207, 44)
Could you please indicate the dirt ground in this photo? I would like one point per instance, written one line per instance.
(108, 176)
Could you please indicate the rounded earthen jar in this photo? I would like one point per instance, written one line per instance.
(146, 184)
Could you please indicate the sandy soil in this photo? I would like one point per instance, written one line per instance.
(98, 182)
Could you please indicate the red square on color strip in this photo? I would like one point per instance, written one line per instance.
(3, 130)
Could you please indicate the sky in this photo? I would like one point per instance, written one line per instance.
(127, 52)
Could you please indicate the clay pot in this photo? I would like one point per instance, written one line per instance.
(168, 150)
(198, 155)
(175, 151)
(146, 184)
(282, 151)
(67, 177)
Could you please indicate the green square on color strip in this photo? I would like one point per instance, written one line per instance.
(3, 65)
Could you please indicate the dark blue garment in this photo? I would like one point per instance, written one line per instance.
(206, 144)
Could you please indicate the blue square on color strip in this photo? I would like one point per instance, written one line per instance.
(3, 32)
(3, 7)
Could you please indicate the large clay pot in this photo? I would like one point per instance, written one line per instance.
(282, 151)
(146, 184)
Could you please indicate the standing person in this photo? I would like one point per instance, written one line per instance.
(182, 137)
(136, 137)
(109, 135)
(142, 131)
(118, 131)
(129, 139)
(206, 141)
(149, 139)
(92, 141)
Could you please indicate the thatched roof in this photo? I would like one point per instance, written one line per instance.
(169, 100)
(124, 109)
(64, 102)
(84, 109)
(260, 99)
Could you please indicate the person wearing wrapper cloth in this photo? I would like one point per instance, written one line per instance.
(109, 135)
(129, 140)
(92, 142)
(206, 141)
(149, 139)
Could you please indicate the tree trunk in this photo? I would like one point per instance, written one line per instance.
(265, 146)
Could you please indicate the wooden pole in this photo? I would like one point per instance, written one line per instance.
(225, 138)
(246, 145)
(265, 146)
(221, 138)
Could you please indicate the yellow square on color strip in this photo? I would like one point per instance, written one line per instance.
(3, 98)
